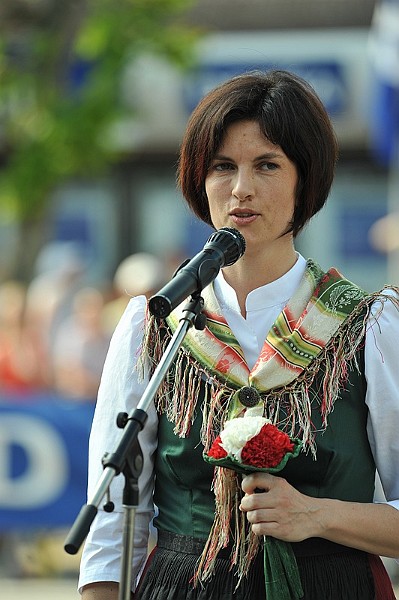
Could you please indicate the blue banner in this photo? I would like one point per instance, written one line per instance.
(327, 77)
(43, 461)
(384, 58)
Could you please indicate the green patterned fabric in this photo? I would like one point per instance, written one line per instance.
(312, 316)
(317, 326)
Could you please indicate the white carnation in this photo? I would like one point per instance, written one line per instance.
(237, 432)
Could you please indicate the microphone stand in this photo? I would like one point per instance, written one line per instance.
(128, 457)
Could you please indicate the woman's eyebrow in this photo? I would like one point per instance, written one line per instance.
(266, 155)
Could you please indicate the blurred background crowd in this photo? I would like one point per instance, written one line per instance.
(55, 329)
(94, 97)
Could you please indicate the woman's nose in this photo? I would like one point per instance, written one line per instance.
(243, 186)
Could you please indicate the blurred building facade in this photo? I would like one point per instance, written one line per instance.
(236, 15)
(139, 208)
(326, 42)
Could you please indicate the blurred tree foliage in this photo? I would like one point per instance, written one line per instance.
(61, 65)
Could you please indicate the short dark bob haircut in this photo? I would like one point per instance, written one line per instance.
(290, 115)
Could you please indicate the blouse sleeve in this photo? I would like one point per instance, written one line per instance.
(120, 391)
(382, 398)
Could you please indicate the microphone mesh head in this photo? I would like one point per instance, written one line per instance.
(232, 242)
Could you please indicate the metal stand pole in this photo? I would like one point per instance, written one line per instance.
(127, 458)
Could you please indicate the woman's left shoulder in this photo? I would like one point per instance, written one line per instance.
(384, 305)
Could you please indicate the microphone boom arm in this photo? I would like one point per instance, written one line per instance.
(224, 247)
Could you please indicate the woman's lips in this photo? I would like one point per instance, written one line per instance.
(243, 218)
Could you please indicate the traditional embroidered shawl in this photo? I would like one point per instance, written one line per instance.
(321, 327)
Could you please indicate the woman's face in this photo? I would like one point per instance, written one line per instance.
(251, 186)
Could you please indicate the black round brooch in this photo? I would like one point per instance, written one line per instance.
(248, 396)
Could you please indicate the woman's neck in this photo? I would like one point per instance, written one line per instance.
(250, 273)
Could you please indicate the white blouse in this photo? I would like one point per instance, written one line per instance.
(120, 391)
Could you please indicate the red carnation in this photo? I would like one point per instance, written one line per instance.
(216, 450)
(267, 449)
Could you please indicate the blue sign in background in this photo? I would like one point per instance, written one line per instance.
(327, 77)
(43, 461)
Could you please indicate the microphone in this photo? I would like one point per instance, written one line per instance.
(224, 247)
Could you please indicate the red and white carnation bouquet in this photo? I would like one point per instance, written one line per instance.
(251, 443)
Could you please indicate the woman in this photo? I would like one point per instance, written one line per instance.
(259, 155)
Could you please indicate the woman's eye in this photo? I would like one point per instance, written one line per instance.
(269, 166)
(223, 166)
